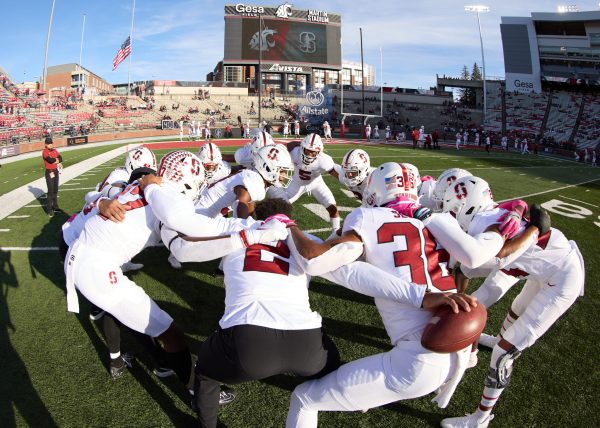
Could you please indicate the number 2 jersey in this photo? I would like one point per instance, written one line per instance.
(266, 286)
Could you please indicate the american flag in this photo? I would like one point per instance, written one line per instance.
(122, 53)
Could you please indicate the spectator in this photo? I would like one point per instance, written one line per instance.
(53, 167)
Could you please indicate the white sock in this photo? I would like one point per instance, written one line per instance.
(508, 322)
(335, 223)
(115, 355)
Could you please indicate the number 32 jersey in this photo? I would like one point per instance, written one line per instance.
(403, 247)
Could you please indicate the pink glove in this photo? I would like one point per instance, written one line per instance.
(404, 207)
(426, 178)
(510, 222)
(281, 218)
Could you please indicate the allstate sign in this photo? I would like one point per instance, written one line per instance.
(315, 98)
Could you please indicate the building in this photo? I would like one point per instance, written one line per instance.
(66, 77)
(551, 47)
(297, 50)
(351, 74)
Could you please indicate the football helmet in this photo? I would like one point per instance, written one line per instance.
(140, 157)
(260, 140)
(389, 182)
(466, 197)
(274, 164)
(184, 170)
(355, 167)
(415, 172)
(211, 158)
(311, 147)
(444, 181)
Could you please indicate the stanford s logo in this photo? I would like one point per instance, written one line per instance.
(307, 42)
(315, 98)
(273, 154)
(284, 11)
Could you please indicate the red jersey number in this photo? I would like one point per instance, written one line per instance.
(433, 271)
(254, 262)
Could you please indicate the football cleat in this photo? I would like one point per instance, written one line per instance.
(488, 340)
(119, 366)
(226, 396)
(129, 266)
(467, 421)
(96, 313)
(174, 262)
(163, 372)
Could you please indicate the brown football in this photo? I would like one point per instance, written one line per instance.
(450, 332)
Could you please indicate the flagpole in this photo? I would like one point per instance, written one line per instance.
(81, 52)
(47, 45)
(130, 50)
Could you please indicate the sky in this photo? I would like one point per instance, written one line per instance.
(183, 39)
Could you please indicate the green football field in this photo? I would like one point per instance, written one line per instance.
(54, 363)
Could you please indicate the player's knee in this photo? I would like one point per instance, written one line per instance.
(501, 367)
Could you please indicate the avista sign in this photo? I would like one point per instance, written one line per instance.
(285, 68)
(249, 10)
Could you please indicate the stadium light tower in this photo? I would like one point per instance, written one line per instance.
(477, 9)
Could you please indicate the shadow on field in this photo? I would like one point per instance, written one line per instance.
(49, 265)
(16, 390)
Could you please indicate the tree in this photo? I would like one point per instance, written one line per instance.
(462, 93)
(476, 73)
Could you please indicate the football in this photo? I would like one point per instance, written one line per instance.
(451, 332)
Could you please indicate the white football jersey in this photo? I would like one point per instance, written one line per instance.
(541, 260)
(75, 224)
(305, 174)
(243, 155)
(265, 286)
(222, 195)
(403, 247)
(223, 171)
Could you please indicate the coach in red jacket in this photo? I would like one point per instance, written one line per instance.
(52, 164)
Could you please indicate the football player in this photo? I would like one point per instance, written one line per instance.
(215, 167)
(93, 262)
(444, 181)
(310, 163)
(407, 247)
(244, 156)
(554, 272)
(354, 171)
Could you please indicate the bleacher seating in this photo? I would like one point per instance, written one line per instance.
(563, 115)
(525, 112)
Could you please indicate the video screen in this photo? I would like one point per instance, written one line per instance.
(293, 41)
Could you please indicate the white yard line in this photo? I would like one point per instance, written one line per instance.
(550, 191)
(17, 216)
(325, 229)
(4, 230)
(78, 188)
(577, 200)
(28, 248)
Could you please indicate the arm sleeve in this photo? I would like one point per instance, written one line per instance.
(177, 212)
(91, 196)
(49, 159)
(471, 251)
(367, 279)
(332, 259)
(60, 158)
(199, 251)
